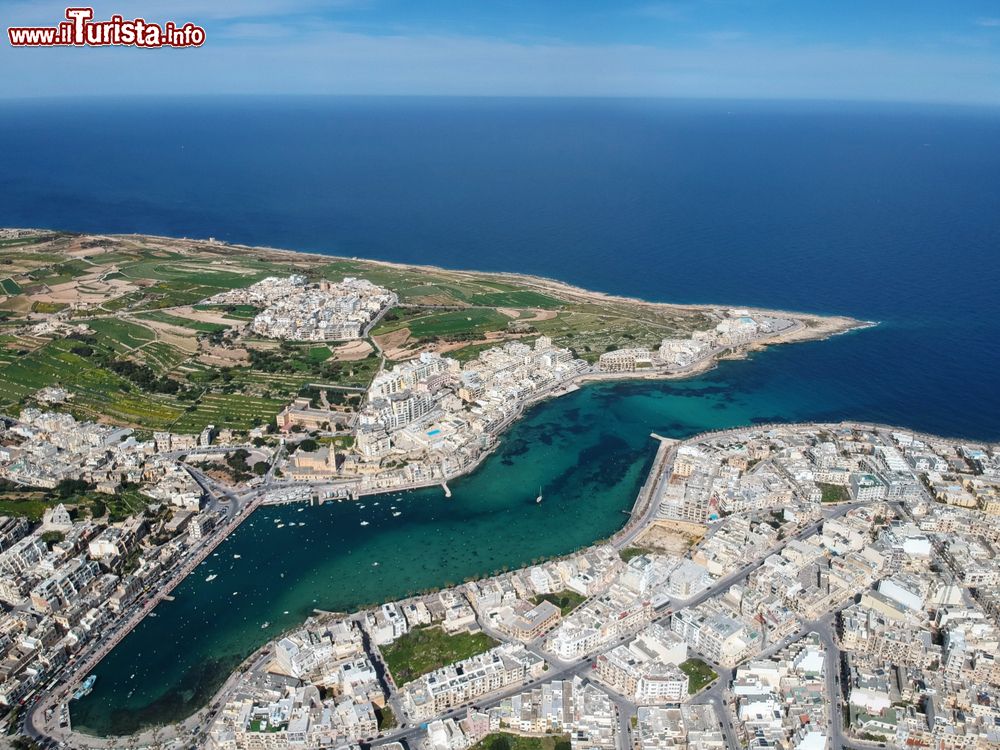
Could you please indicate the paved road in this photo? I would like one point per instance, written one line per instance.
(581, 667)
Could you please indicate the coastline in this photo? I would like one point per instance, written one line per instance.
(543, 283)
(807, 327)
(621, 539)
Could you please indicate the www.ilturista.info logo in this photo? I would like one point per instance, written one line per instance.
(80, 30)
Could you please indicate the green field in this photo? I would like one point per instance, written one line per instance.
(97, 392)
(122, 335)
(319, 353)
(128, 372)
(235, 410)
(48, 307)
(516, 298)
(471, 322)
(29, 506)
(566, 600)
(169, 267)
(508, 741)
(162, 357)
(699, 674)
(833, 493)
(174, 320)
(31, 240)
(236, 312)
(423, 650)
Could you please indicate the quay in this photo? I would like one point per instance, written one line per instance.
(126, 626)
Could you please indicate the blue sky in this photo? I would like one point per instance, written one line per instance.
(822, 49)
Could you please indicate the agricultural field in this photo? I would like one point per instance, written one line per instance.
(235, 411)
(122, 335)
(437, 287)
(162, 357)
(144, 360)
(471, 323)
(195, 325)
(235, 312)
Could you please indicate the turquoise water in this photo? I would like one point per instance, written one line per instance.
(890, 213)
(590, 451)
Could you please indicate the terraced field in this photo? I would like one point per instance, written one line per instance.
(122, 335)
(174, 320)
(131, 368)
(235, 411)
(162, 357)
(96, 392)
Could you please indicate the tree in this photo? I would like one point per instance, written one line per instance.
(70, 487)
(53, 537)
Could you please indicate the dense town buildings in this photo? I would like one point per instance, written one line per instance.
(293, 309)
(790, 587)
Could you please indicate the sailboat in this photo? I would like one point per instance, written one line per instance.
(538, 499)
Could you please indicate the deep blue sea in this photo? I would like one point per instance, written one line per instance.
(887, 213)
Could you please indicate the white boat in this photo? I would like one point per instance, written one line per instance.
(236, 557)
(211, 578)
(375, 564)
(280, 526)
(397, 513)
(539, 498)
(85, 688)
(265, 625)
(364, 523)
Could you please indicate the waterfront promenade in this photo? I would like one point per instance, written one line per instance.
(642, 515)
(43, 718)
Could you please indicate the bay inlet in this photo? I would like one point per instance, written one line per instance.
(590, 450)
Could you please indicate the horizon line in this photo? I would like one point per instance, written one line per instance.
(529, 97)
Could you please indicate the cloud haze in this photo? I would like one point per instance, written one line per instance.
(684, 49)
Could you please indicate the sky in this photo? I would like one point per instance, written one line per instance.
(946, 51)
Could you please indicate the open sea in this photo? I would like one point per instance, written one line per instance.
(887, 213)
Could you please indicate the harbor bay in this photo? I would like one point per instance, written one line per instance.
(851, 230)
(590, 451)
